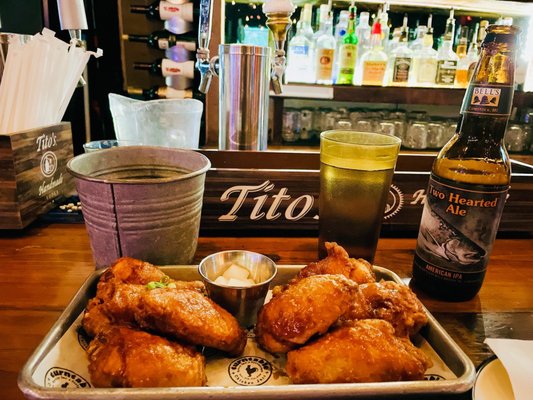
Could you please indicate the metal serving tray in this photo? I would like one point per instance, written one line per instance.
(448, 351)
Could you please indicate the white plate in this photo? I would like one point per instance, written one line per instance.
(492, 382)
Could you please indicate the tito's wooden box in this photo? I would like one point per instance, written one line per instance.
(33, 173)
(262, 193)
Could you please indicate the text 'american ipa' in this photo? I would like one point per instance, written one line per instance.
(469, 180)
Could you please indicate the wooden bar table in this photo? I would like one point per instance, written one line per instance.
(42, 267)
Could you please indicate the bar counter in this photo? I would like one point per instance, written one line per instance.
(42, 267)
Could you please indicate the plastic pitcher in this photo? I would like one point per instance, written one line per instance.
(166, 123)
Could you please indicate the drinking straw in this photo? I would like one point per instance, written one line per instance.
(8, 85)
(76, 71)
(38, 81)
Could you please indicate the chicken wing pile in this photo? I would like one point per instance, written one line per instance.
(338, 325)
(134, 302)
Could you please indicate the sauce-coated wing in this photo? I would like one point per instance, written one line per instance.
(188, 315)
(368, 351)
(305, 308)
(183, 314)
(123, 357)
(391, 301)
(338, 262)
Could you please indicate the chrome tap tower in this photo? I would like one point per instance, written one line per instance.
(245, 73)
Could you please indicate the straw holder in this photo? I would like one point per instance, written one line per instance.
(33, 173)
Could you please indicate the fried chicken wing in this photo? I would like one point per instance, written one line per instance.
(182, 314)
(303, 309)
(338, 262)
(133, 271)
(392, 302)
(124, 357)
(190, 316)
(368, 351)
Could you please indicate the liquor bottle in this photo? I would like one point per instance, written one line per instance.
(469, 180)
(418, 43)
(374, 61)
(385, 30)
(447, 59)
(340, 31)
(166, 67)
(161, 92)
(462, 44)
(425, 62)
(164, 10)
(483, 25)
(299, 57)
(305, 19)
(323, 13)
(325, 53)
(363, 30)
(466, 65)
(342, 25)
(348, 52)
(400, 59)
(164, 40)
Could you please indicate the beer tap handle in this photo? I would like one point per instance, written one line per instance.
(202, 53)
(278, 68)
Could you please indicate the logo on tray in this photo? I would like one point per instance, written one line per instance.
(434, 377)
(250, 371)
(64, 378)
(48, 164)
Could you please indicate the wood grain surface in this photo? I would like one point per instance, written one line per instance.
(43, 266)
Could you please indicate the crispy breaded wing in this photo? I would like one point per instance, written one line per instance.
(338, 262)
(131, 270)
(182, 314)
(124, 357)
(190, 316)
(305, 308)
(368, 351)
(391, 301)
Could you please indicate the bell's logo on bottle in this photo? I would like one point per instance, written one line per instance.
(485, 99)
(486, 96)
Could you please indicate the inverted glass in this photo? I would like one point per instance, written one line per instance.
(356, 170)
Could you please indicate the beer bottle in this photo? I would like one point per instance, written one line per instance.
(469, 180)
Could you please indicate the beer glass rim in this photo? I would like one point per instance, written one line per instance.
(359, 138)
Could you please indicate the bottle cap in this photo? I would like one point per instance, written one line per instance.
(376, 28)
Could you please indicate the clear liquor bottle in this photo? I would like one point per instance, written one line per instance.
(447, 59)
(299, 57)
(385, 30)
(374, 61)
(425, 63)
(418, 43)
(323, 13)
(363, 31)
(340, 31)
(400, 59)
(325, 53)
(348, 52)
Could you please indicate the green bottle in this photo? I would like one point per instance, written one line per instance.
(348, 52)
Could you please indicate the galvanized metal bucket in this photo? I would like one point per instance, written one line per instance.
(141, 201)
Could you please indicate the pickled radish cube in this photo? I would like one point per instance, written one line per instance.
(236, 272)
(221, 281)
(238, 282)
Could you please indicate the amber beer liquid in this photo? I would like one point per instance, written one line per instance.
(469, 180)
(356, 170)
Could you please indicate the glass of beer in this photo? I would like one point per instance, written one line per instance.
(356, 171)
